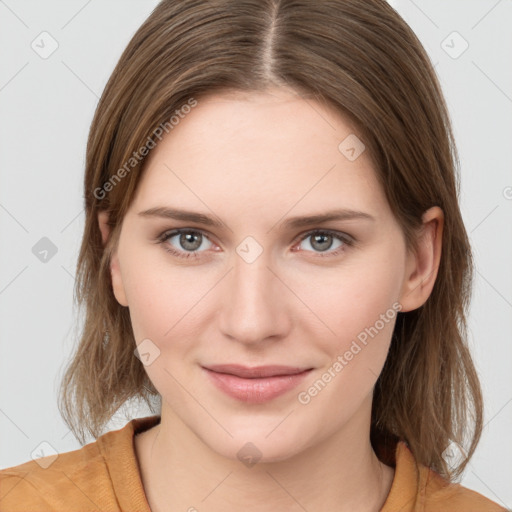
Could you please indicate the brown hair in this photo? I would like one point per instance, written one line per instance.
(360, 58)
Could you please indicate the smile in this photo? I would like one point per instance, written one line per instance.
(255, 385)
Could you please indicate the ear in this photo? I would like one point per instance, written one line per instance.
(115, 271)
(422, 266)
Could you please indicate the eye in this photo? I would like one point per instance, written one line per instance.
(187, 243)
(321, 241)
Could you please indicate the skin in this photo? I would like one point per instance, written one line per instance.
(253, 161)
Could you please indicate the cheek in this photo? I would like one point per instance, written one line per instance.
(165, 307)
(352, 297)
(358, 304)
(166, 302)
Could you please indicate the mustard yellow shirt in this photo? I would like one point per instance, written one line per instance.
(104, 475)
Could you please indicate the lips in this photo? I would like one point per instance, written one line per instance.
(255, 385)
(256, 372)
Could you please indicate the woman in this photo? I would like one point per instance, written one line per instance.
(274, 249)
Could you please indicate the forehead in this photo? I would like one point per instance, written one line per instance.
(278, 120)
(256, 148)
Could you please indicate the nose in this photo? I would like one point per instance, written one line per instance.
(254, 302)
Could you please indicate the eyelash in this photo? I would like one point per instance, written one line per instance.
(348, 241)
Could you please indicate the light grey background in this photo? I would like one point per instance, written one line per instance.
(46, 106)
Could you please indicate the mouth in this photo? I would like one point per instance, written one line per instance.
(255, 384)
(256, 372)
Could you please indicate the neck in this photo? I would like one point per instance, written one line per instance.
(180, 472)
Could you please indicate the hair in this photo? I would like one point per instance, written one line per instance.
(359, 58)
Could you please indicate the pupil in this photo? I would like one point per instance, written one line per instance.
(185, 240)
(316, 240)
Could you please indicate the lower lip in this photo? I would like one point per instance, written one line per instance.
(255, 391)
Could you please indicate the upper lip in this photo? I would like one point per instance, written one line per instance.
(255, 371)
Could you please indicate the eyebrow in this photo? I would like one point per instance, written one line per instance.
(292, 222)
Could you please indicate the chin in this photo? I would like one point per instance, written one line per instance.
(255, 441)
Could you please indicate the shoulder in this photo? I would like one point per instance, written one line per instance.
(102, 475)
(417, 488)
(53, 482)
(440, 495)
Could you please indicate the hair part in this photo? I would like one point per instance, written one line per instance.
(362, 60)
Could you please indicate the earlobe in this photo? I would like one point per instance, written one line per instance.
(115, 271)
(422, 266)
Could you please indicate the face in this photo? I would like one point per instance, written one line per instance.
(250, 286)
